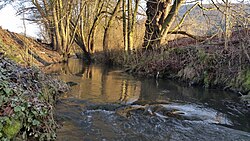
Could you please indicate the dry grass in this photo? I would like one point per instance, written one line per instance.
(16, 47)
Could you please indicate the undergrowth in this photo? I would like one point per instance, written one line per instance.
(26, 102)
(195, 65)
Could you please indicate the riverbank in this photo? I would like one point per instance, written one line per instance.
(27, 51)
(27, 98)
(205, 65)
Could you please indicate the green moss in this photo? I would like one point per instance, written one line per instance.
(246, 98)
(12, 52)
(177, 50)
(202, 55)
(246, 82)
(11, 128)
(242, 81)
(206, 80)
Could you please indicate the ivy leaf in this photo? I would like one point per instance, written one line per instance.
(35, 122)
(1, 126)
(18, 109)
(3, 77)
(29, 119)
(22, 108)
(1, 100)
(8, 91)
(13, 105)
(35, 113)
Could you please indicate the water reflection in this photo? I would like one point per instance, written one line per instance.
(96, 83)
(99, 84)
(162, 89)
(103, 84)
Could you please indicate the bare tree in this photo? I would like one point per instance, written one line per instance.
(110, 22)
(160, 16)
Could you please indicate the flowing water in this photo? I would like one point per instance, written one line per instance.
(106, 104)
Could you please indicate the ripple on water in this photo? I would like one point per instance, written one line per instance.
(83, 120)
(110, 126)
(195, 112)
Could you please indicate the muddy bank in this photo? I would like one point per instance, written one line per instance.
(27, 98)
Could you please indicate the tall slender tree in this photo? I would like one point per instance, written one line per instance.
(124, 17)
(110, 22)
(129, 23)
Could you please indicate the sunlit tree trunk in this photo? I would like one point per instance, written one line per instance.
(80, 38)
(107, 28)
(129, 23)
(57, 42)
(125, 34)
(98, 16)
(130, 32)
(133, 24)
(65, 33)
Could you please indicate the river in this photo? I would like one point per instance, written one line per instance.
(106, 104)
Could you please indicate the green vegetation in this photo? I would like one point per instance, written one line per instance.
(11, 52)
(246, 82)
(26, 102)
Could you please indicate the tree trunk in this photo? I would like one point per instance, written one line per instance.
(160, 16)
(168, 21)
(56, 29)
(125, 35)
(156, 12)
(97, 18)
(107, 29)
(133, 24)
(227, 24)
(130, 33)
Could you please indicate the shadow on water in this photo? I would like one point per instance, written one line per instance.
(89, 110)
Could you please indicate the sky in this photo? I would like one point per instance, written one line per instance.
(14, 23)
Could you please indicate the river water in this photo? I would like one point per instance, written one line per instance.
(106, 104)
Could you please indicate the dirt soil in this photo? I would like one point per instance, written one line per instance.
(26, 50)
